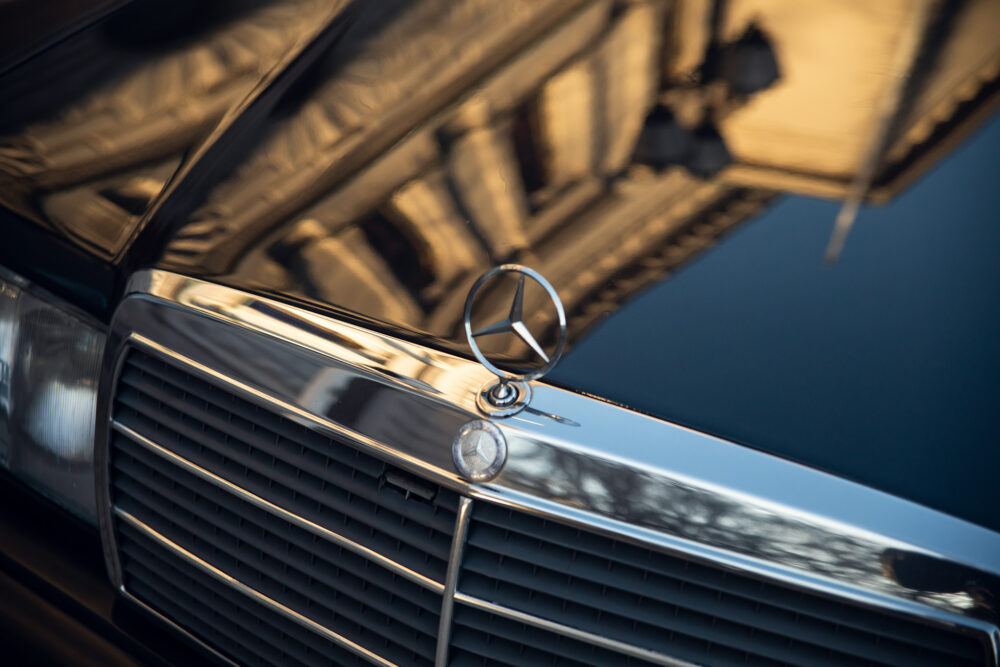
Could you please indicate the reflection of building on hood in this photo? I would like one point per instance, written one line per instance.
(453, 196)
(149, 110)
(383, 199)
(383, 88)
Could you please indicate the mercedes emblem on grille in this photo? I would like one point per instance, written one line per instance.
(511, 393)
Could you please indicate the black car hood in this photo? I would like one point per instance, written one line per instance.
(881, 368)
(670, 183)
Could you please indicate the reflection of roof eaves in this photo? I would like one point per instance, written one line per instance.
(929, 141)
(744, 174)
(698, 234)
(916, 150)
(892, 178)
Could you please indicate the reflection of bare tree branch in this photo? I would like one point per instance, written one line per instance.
(710, 518)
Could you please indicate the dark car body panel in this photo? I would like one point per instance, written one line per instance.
(253, 187)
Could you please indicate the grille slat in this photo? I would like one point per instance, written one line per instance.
(681, 608)
(280, 485)
(271, 572)
(156, 371)
(237, 520)
(164, 596)
(480, 638)
(671, 623)
(609, 596)
(231, 622)
(140, 467)
(498, 534)
(359, 477)
(312, 492)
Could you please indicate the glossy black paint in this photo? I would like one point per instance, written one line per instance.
(374, 161)
(55, 263)
(882, 368)
(28, 27)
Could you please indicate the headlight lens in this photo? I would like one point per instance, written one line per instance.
(50, 360)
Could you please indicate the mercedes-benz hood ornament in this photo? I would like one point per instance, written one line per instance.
(512, 393)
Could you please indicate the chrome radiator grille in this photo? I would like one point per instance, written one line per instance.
(269, 503)
(673, 606)
(276, 545)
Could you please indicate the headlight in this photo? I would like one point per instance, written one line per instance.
(50, 360)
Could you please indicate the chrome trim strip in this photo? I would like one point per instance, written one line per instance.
(277, 511)
(450, 381)
(664, 486)
(568, 631)
(451, 581)
(290, 614)
(110, 372)
(136, 601)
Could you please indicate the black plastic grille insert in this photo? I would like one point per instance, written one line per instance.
(671, 605)
(317, 478)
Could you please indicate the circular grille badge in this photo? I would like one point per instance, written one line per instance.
(479, 450)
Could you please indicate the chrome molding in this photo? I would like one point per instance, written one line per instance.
(252, 593)
(560, 629)
(663, 486)
(451, 583)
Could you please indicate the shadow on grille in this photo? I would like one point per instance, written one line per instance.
(319, 479)
(667, 604)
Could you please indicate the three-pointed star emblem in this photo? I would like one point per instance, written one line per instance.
(515, 323)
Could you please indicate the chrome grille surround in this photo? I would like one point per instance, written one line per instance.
(828, 542)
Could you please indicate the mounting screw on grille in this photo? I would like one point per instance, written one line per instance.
(479, 450)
